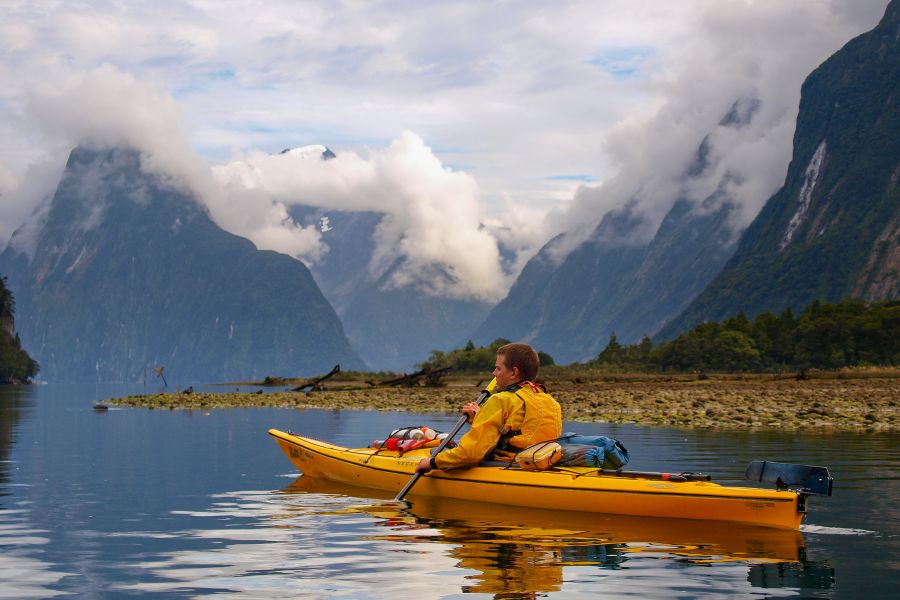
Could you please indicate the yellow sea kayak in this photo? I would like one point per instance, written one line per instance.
(582, 489)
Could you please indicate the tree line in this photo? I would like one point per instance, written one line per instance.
(16, 366)
(850, 333)
(472, 359)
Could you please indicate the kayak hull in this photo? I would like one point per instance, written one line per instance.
(572, 488)
(458, 520)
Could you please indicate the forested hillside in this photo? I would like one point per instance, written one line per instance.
(851, 333)
(16, 366)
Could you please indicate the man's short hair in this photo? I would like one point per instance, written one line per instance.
(522, 356)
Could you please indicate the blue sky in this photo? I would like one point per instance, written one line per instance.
(623, 63)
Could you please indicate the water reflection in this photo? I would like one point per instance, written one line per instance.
(517, 551)
(268, 545)
(315, 538)
(22, 570)
(179, 504)
(23, 573)
(13, 400)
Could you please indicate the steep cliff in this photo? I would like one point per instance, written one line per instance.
(832, 230)
(616, 281)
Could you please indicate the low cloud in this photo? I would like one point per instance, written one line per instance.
(729, 59)
(432, 231)
(26, 201)
(431, 235)
(518, 102)
(11, 213)
(106, 108)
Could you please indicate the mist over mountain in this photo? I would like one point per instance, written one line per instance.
(399, 237)
(121, 271)
(391, 326)
(614, 282)
(833, 229)
(831, 232)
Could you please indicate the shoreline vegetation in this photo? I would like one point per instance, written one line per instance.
(16, 366)
(862, 400)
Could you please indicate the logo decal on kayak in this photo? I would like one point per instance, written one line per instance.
(760, 505)
(298, 454)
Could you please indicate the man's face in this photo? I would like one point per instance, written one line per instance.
(505, 377)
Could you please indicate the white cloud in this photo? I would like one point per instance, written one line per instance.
(509, 96)
(27, 199)
(433, 223)
(737, 51)
(433, 216)
(106, 108)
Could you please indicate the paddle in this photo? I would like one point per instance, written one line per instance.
(440, 447)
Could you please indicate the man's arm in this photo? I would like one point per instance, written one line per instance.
(479, 440)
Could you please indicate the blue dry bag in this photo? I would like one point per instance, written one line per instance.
(592, 451)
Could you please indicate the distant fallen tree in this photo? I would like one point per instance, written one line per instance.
(423, 377)
(316, 384)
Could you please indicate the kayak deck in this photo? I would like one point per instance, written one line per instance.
(571, 488)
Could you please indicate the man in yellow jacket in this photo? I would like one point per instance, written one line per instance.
(519, 415)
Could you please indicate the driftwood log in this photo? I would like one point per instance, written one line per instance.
(315, 384)
(425, 378)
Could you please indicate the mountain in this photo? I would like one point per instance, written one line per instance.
(550, 304)
(615, 283)
(391, 327)
(122, 272)
(833, 229)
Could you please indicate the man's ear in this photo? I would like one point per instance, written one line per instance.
(515, 372)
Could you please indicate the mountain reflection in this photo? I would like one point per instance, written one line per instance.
(24, 572)
(12, 400)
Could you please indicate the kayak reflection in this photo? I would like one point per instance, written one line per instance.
(524, 550)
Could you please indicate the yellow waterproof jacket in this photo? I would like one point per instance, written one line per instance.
(517, 415)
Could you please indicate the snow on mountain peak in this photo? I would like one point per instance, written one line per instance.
(312, 151)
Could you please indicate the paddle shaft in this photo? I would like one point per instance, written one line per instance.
(440, 447)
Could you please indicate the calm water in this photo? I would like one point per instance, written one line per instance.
(180, 504)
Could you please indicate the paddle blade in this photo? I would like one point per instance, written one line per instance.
(810, 479)
(402, 494)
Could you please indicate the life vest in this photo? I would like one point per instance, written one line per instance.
(541, 421)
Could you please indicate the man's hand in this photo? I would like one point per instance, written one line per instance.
(469, 410)
(424, 466)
